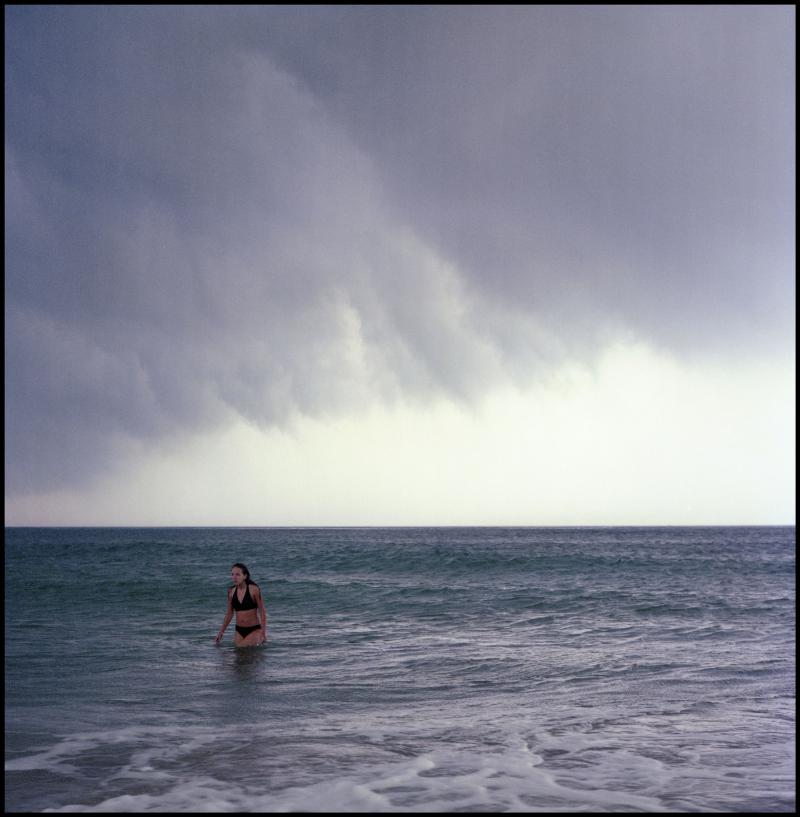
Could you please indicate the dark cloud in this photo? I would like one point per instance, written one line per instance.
(266, 210)
(627, 162)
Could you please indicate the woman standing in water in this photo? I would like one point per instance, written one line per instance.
(245, 598)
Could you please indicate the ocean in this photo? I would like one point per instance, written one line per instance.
(407, 669)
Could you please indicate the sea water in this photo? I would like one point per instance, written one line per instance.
(407, 669)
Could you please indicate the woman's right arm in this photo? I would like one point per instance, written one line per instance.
(228, 617)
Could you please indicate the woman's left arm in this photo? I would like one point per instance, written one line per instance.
(263, 614)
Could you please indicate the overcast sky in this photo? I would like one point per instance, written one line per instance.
(400, 265)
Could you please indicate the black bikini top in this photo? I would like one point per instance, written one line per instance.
(246, 603)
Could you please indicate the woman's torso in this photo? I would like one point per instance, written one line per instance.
(244, 604)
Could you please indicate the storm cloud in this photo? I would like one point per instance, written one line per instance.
(264, 211)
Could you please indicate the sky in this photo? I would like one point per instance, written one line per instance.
(399, 265)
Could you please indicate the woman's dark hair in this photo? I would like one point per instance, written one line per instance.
(246, 572)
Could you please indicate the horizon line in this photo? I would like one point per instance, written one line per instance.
(417, 526)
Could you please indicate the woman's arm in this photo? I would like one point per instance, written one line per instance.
(228, 617)
(263, 613)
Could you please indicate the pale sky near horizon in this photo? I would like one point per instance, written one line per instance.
(329, 265)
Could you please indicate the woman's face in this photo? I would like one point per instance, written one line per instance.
(237, 575)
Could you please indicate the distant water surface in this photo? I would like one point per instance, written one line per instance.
(407, 669)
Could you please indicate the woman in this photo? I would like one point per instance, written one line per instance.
(245, 598)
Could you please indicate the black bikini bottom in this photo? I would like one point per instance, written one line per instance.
(245, 631)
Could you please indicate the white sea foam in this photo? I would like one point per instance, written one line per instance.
(666, 759)
(510, 779)
(508, 775)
